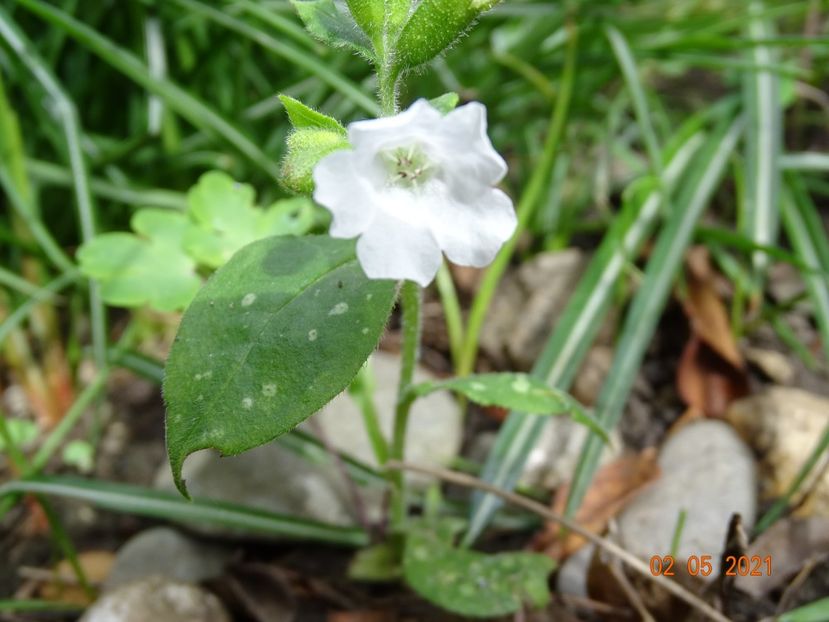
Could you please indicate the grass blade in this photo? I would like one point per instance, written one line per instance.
(171, 506)
(763, 140)
(627, 63)
(651, 297)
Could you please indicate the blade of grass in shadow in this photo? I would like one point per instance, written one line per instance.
(579, 323)
(47, 173)
(66, 112)
(627, 63)
(47, 292)
(805, 161)
(185, 104)
(47, 243)
(171, 506)
(763, 140)
(300, 58)
(649, 301)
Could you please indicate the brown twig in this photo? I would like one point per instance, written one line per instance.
(612, 548)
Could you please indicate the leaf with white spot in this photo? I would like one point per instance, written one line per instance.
(275, 334)
(514, 391)
(471, 583)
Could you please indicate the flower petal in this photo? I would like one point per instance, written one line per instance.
(420, 120)
(345, 192)
(393, 249)
(472, 233)
(473, 161)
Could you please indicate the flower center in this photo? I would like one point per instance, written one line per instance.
(408, 166)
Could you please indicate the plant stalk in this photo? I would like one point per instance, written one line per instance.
(411, 297)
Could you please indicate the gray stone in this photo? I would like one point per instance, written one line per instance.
(166, 552)
(157, 599)
(526, 306)
(275, 478)
(554, 457)
(434, 433)
(783, 425)
(708, 472)
(270, 477)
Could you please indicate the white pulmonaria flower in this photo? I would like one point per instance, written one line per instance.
(415, 185)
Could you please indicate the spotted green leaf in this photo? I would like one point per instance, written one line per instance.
(470, 583)
(515, 391)
(276, 333)
(150, 268)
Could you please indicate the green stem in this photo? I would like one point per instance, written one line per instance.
(451, 310)
(387, 79)
(411, 296)
(362, 392)
(526, 207)
(67, 424)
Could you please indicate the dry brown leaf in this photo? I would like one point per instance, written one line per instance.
(705, 309)
(706, 381)
(613, 487)
(711, 372)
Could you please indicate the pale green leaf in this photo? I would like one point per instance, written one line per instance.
(150, 269)
(225, 218)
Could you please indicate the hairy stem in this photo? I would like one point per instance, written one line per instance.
(411, 295)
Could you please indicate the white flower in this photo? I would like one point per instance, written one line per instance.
(415, 185)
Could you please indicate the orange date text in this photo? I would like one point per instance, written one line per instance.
(701, 566)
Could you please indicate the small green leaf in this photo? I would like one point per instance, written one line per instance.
(817, 611)
(331, 22)
(446, 103)
(380, 562)
(226, 219)
(152, 269)
(301, 116)
(275, 334)
(22, 432)
(471, 583)
(515, 391)
(306, 147)
(435, 26)
(79, 454)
